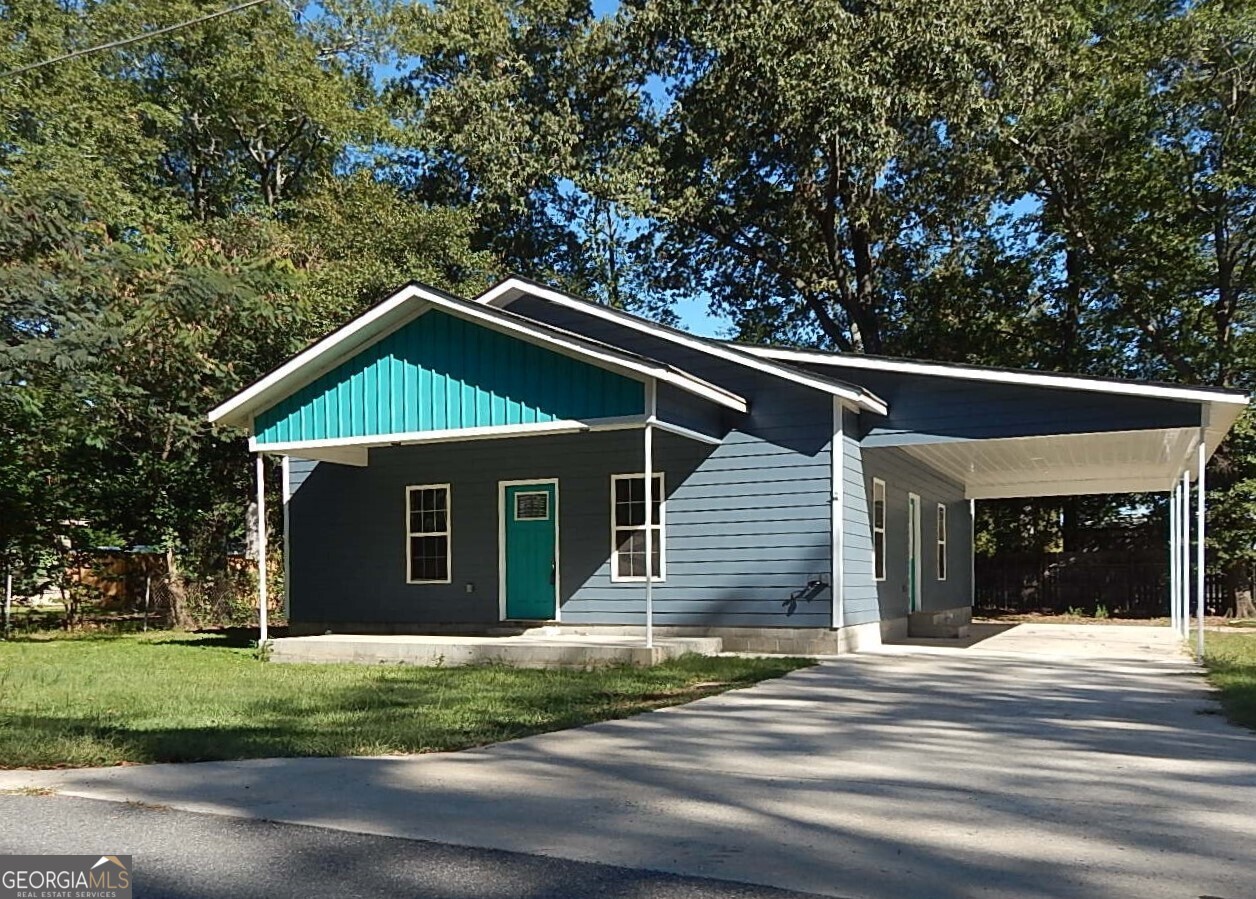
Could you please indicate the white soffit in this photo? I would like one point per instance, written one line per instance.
(1063, 464)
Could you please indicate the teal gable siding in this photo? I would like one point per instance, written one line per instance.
(439, 373)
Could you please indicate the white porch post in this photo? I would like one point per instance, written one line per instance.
(651, 389)
(1173, 558)
(261, 550)
(1184, 555)
(8, 596)
(1199, 546)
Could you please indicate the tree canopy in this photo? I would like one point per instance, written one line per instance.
(1059, 186)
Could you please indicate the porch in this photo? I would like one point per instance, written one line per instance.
(541, 647)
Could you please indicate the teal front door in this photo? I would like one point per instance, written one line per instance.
(530, 550)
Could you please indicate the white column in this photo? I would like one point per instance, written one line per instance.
(651, 389)
(1199, 546)
(261, 551)
(1173, 557)
(1184, 558)
(8, 596)
(286, 473)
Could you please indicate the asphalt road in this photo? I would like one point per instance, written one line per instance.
(183, 855)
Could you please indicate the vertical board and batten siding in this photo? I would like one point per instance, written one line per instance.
(746, 528)
(439, 372)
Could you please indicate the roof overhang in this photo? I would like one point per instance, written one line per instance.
(412, 301)
(855, 397)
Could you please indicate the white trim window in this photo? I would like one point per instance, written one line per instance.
(428, 534)
(941, 542)
(878, 529)
(628, 528)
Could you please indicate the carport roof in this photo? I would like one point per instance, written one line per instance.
(1083, 461)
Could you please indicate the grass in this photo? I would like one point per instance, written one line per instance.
(1231, 662)
(105, 699)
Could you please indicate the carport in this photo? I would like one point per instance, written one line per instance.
(1069, 435)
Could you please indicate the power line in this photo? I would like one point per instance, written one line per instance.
(133, 39)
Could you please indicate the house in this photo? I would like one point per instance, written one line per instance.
(453, 463)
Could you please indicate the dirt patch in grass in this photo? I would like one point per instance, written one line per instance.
(181, 697)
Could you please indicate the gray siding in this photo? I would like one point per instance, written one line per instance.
(924, 408)
(747, 523)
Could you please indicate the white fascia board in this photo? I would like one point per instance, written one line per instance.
(975, 373)
(506, 292)
(408, 438)
(392, 313)
(236, 411)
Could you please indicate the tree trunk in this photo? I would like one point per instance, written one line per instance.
(1238, 580)
(178, 592)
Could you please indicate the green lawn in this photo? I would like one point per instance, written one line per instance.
(175, 697)
(1231, 661)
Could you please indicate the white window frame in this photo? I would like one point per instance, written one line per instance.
(660, 530)
(447, 533)
(879, 566)
(942, 526)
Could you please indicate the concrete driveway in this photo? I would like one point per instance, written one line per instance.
(1044, 761)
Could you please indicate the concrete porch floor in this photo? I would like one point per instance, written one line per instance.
(531, 649)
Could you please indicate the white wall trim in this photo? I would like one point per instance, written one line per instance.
(881, 575)
(837, 517)
(915, 562)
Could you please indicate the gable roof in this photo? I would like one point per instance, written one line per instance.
(992, 374)
(412, 300)
(505, 292)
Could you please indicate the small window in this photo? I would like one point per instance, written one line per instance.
(941, 542)
(878, 529)
(427, 534)
(628, 528)
(532, 506)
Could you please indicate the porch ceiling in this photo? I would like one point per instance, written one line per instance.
(1063, 464)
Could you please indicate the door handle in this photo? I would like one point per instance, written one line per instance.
(553, 572)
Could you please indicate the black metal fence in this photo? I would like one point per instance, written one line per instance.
(1127, 583)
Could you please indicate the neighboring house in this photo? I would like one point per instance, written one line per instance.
(452, 463)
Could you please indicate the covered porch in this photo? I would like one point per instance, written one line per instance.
(506, 404)
(541, 647)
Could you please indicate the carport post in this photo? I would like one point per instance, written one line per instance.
(1173, 558)
(1199, 548)
(1185, 558)
(261, 551)
(651, 412)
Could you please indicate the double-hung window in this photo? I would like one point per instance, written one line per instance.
(878, 529)
(628, 528)
(941, 542)
(427, 534)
